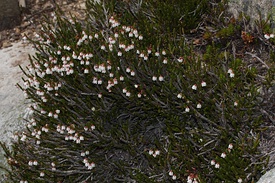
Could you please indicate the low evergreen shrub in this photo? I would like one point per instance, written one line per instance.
(109, 106)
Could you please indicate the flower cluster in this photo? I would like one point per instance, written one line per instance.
(268, 36)
(231, 73)
(23, 181)
(240, 180)
(192, 179)
(90, 166)
(154, 153)
(223, 155)
(215, 164)
(171, 173)
(33, 163)
(195, 88)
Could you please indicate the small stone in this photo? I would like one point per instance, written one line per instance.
(47, 5)
(25, 24)
(26, 33)
(6, 44)
(39, 26)
(82, 6)
(17, 30)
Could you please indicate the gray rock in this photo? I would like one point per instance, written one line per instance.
(253, 8)
(9, 14)
(268, 177)
(13, 103)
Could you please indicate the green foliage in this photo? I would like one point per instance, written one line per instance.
(228, 31)
(263, 25)
(162, 23)
(125, 101)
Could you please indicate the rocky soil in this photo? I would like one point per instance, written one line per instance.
(32, 15)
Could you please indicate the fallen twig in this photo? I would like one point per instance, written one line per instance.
(255, 56)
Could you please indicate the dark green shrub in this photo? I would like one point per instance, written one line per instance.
(162, 22)
(110, 107)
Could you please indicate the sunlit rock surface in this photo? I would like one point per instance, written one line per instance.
(255, 9)
(12, 101)
(269, 177)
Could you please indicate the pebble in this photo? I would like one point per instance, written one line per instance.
(25, 24)
(17, 30)
(6, 44)
(82, 6)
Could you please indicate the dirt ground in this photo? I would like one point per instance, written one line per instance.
(31, 17)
